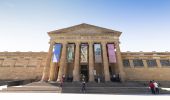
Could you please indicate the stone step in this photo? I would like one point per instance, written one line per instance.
(110, 90)
(93, 90)
(73, 84)
(33, 88)
(103, 88)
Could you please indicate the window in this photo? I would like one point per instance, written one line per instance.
(138, 62)
(151, 63)
(126, 63)
(165, 62)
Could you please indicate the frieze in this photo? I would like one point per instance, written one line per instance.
(84, 38)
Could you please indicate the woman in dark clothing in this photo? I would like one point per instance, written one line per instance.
(83, 89)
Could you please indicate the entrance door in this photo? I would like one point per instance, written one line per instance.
(110, 71)
(84, 71)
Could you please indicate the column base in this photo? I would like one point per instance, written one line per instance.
(76, 82)
(122, 80)
(91, 82)
(108, 82)
(76, 79)
(52, 81)
(43, 80)
(58, 80)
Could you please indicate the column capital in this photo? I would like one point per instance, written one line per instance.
(104, 43)
(117, 42)
(64, 43)
(51, 42)
(77, 43)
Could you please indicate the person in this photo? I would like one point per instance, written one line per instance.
(83, 89)
(98, 78)
(118, 78)
(62, 81)
(63, 78)
(152, 87)
(114, 77)
(156, 87)
(83, 77)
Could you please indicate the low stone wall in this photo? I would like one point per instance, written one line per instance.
(21, 65)
(20, 73)
(146, 74)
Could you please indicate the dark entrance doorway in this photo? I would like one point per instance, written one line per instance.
(84, 72)
(110, 71)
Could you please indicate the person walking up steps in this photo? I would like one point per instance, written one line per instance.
(62, 81)
(83, 88)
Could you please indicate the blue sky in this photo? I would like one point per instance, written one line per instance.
(145, 23)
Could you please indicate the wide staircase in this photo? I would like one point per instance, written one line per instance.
(91, 88)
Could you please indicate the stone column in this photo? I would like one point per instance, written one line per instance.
(145, 63)
(76, 70)
(53, 72)
(120, 63)
(105, 62)
(131, 63)
(91, 62)
(47, 66)
(63, 60)
(158, 63)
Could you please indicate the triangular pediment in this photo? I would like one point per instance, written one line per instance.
(84, 29)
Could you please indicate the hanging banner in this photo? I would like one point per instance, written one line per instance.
(84, 56)
(56, 53)
(70, 53)
(97, 53)
(111, 53)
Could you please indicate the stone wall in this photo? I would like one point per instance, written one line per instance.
(29, 65)
(145, 72)
(21, 65)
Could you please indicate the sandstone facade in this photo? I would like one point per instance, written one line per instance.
(134, 66)
(21, 65)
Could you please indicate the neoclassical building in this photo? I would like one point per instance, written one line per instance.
(95, 51)
(85, 51)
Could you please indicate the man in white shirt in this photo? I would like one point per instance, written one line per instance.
(156, 87)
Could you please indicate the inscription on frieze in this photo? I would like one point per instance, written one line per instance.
(83, 37)
(104, 37)
(70, 38)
